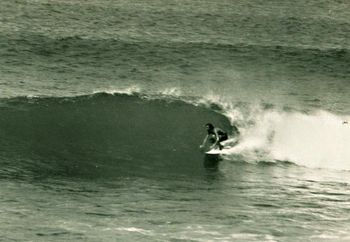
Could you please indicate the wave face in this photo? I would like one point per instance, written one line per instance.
(102, 135)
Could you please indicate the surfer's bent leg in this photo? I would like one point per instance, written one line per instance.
(222, 138)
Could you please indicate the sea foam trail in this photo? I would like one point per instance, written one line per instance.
(318, 140)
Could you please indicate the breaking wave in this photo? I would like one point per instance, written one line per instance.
(128, 133)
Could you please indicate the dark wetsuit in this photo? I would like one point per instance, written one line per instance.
(222, 135)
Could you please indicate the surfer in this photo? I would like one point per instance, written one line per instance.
(215, 136)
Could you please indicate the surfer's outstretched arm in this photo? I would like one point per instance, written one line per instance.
(204, 141)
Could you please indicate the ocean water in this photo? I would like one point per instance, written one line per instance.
(102, 107)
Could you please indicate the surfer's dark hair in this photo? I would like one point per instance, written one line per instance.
(211, 126)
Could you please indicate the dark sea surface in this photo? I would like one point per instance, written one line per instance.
(102, 107)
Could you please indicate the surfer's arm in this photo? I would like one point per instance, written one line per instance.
(216, 140)
(216, 137)
(205, 140)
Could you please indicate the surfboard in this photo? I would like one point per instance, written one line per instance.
(214, 152)
(227, 144)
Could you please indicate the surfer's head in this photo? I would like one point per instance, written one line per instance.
(209, 126)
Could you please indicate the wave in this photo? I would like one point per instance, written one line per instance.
(124, 132)
(102, 135)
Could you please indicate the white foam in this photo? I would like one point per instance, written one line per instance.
(320, 140)
(171, 92)
(126, 90)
